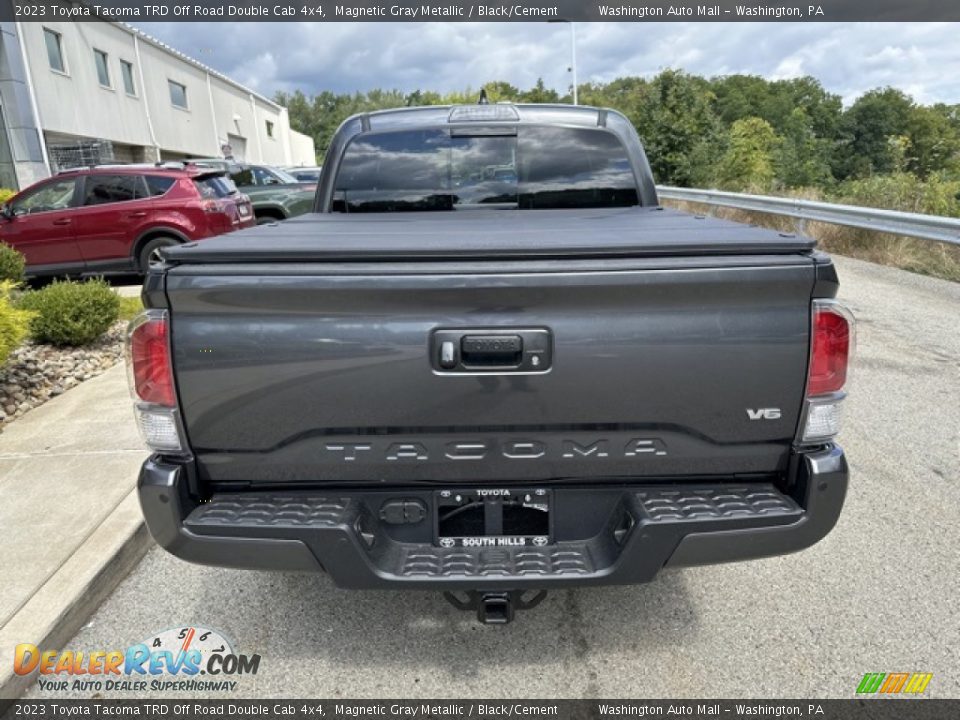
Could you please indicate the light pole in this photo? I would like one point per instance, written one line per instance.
(573, 55)
(573, 59)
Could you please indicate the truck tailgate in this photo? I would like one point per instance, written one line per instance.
(321, 373)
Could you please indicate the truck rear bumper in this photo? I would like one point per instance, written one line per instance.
(639, 529)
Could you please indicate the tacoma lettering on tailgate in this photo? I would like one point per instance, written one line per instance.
(511, 449)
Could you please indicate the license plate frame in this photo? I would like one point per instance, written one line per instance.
(511, 518)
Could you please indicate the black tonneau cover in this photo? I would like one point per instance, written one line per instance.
(490, 234)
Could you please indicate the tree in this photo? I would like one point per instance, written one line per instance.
(802, 159)
(539, 93)
(674, 115)
(302, 117)
(933, 141)
(742, 96)
(748, 161)
(502, 92)
(701, 132)
(823, 109)
(624, 94)
(866, 129)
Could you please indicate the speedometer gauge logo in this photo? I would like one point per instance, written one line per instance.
(184, 639)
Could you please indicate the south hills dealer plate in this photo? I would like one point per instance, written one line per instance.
(493, 517)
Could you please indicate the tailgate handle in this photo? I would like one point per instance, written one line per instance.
(493, 350)
(504, 350)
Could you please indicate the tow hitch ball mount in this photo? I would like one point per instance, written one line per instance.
(495, 607)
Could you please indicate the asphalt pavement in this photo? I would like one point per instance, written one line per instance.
(879, 594)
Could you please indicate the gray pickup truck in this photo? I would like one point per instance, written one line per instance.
(490, 363)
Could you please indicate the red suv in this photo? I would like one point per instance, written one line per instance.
(116, 218)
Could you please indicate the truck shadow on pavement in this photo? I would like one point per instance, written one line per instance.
(415, 629)
(322, 641)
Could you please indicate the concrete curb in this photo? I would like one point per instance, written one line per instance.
(57, 611)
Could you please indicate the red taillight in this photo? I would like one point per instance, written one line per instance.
(830, 353)
(212, 206)
(150, 363)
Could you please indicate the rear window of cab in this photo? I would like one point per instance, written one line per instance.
(527, 167)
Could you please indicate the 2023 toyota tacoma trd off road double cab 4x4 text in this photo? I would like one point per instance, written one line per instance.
(490, 363)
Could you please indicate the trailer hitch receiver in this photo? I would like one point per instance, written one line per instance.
(495, 607)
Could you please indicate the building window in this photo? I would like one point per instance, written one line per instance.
(126, 69)
(103, 70)
(178, 94)
(54, 50)
(269, 129)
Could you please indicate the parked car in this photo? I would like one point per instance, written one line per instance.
(117, 218)
(306, 174)
(492, 364)
(275, 193)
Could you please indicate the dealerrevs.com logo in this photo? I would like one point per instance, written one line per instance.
(185, 659)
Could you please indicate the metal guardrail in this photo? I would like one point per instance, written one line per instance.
(928, 227)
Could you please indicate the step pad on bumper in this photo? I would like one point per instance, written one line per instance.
(437, 562)
(261, 509)
(671, 505)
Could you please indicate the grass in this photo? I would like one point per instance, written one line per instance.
(925, 257)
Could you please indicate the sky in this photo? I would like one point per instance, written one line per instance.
(923, 59)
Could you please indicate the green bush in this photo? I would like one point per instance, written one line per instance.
(899, 191)
(14, 323)
(903, 191)
(12, 264)
(6, 194)
(130, 307)
(71, 313)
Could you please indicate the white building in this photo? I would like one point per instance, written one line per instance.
(85, 92)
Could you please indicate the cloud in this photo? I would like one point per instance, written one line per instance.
(848, 58)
